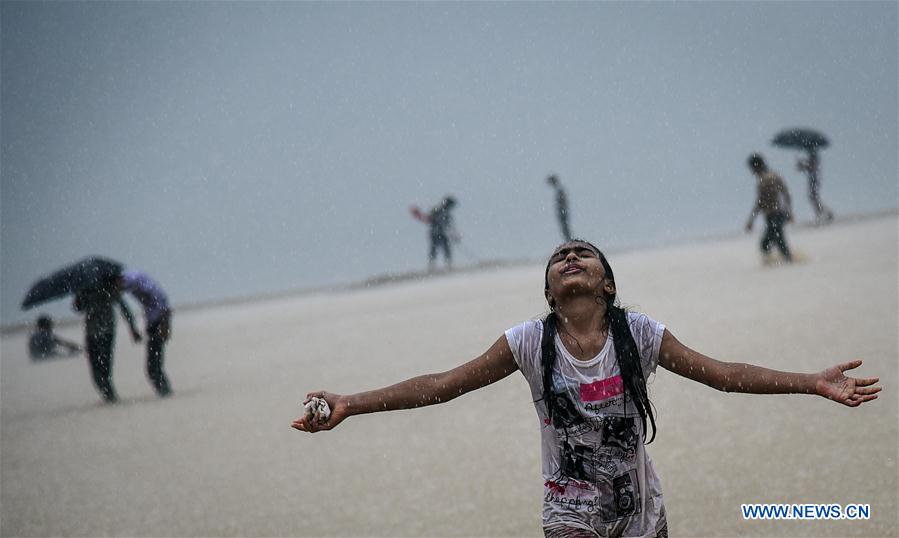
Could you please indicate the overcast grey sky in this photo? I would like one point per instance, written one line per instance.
(235, 148)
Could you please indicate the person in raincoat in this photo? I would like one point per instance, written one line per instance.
(587, 362)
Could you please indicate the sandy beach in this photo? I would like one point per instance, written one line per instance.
(219, 458)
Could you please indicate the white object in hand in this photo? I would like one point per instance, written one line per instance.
(317, 408)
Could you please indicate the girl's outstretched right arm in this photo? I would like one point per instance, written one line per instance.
(495, 364)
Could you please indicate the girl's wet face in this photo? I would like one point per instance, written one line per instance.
(574, 267)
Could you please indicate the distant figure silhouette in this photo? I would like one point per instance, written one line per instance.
(773, 200)
(811, 166)
(442, 231)
(561, 206)
(44, 344)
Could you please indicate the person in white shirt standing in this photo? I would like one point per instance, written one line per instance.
(586, 363)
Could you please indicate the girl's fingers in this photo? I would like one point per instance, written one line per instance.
(856, 400)
(850, 365)
(866, 382)
(867, 390)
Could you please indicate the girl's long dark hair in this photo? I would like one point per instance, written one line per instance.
(625, 350)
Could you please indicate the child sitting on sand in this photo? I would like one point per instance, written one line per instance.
(587, 363)
(44, 343)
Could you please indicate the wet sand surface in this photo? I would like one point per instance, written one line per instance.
(219, 458)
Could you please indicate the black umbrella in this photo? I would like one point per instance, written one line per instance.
(801, 138)
(91, 272)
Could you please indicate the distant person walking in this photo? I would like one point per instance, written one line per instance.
(158, 316)
(772, 199)
(442, 230)
(811, 166)
(97, 305)
(44, 344)
(561, 206)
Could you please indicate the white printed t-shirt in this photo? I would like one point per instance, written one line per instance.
(597, 474)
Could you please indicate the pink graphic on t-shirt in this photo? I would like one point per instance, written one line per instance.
(603, 389)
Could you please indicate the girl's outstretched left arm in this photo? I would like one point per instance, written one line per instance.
(739, 377)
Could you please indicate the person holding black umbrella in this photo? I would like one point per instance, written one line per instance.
(92, 280)
(810, 166)
(98, 306)
(773, 199)
(810, 141)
